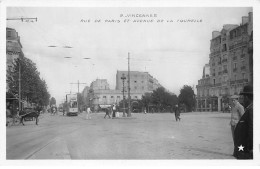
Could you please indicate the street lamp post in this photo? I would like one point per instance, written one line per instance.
(123, 79)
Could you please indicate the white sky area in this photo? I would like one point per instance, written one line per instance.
(173, 53)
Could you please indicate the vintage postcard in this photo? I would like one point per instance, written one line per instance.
(129, 82)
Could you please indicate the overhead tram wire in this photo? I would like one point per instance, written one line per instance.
(40, 32)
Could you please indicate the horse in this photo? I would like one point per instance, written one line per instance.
(29, 113)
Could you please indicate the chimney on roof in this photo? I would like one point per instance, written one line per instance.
(244, 20)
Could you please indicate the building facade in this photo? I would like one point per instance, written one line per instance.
(139, 81)
(13, 51)
(99, 92)
(231, 65)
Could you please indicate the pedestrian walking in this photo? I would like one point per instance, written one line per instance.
(114, 110)
(237, 110)
(177, 113)
(244, 129)
(88, 113)
(107, 112)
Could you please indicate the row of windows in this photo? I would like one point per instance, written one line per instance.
(217, 92)
(224, 60)
(238, 32)
(235, 69)
(118, 97)
(225, 78)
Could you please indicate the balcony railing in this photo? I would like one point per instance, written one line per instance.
(238, 45)
(243, 68)
(215, 53)
(224, 60)
(217, 84)
(224, 71)
(238, 81)
(242, 56)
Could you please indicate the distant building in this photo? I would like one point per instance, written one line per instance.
(231, 65)
(99, 92)
(139, 81)
(100, 84)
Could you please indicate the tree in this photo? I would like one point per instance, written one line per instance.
(52, 101)
(187, 97)
(146, 100)
(160, 99)
(33, 88)
(80, 101)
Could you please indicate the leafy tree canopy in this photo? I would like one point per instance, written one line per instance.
(187, 97)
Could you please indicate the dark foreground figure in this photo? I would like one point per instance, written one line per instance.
(244, 128)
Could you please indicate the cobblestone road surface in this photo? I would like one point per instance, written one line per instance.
(199, 135)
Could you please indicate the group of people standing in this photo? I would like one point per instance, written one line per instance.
(111, 111)
(242, 124)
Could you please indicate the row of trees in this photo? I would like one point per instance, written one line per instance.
(33, 88)
(161, 100)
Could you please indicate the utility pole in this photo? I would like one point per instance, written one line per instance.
(78, 91)
(123, 79)
(129, 97)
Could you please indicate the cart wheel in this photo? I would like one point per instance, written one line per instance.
(16, 120)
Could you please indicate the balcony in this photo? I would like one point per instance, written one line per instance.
(238, 81)
(243, 68)
(217, 84)
(243, 43)
(215, 53)
(224, 71)
(224, 60)
(231, 47)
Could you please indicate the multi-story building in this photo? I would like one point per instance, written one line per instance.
(139, 81)
(231, 65)
(99, 84)
(99, 92)
(13, 50)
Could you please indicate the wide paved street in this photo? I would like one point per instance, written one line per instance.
(199, 135)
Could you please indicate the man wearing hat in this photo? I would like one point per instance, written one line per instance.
(236, 113)
(244, 128)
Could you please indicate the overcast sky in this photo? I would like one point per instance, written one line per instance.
(172, 52)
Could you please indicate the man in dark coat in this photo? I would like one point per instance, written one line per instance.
(177, 113)
(107, 112)
(244, 128)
